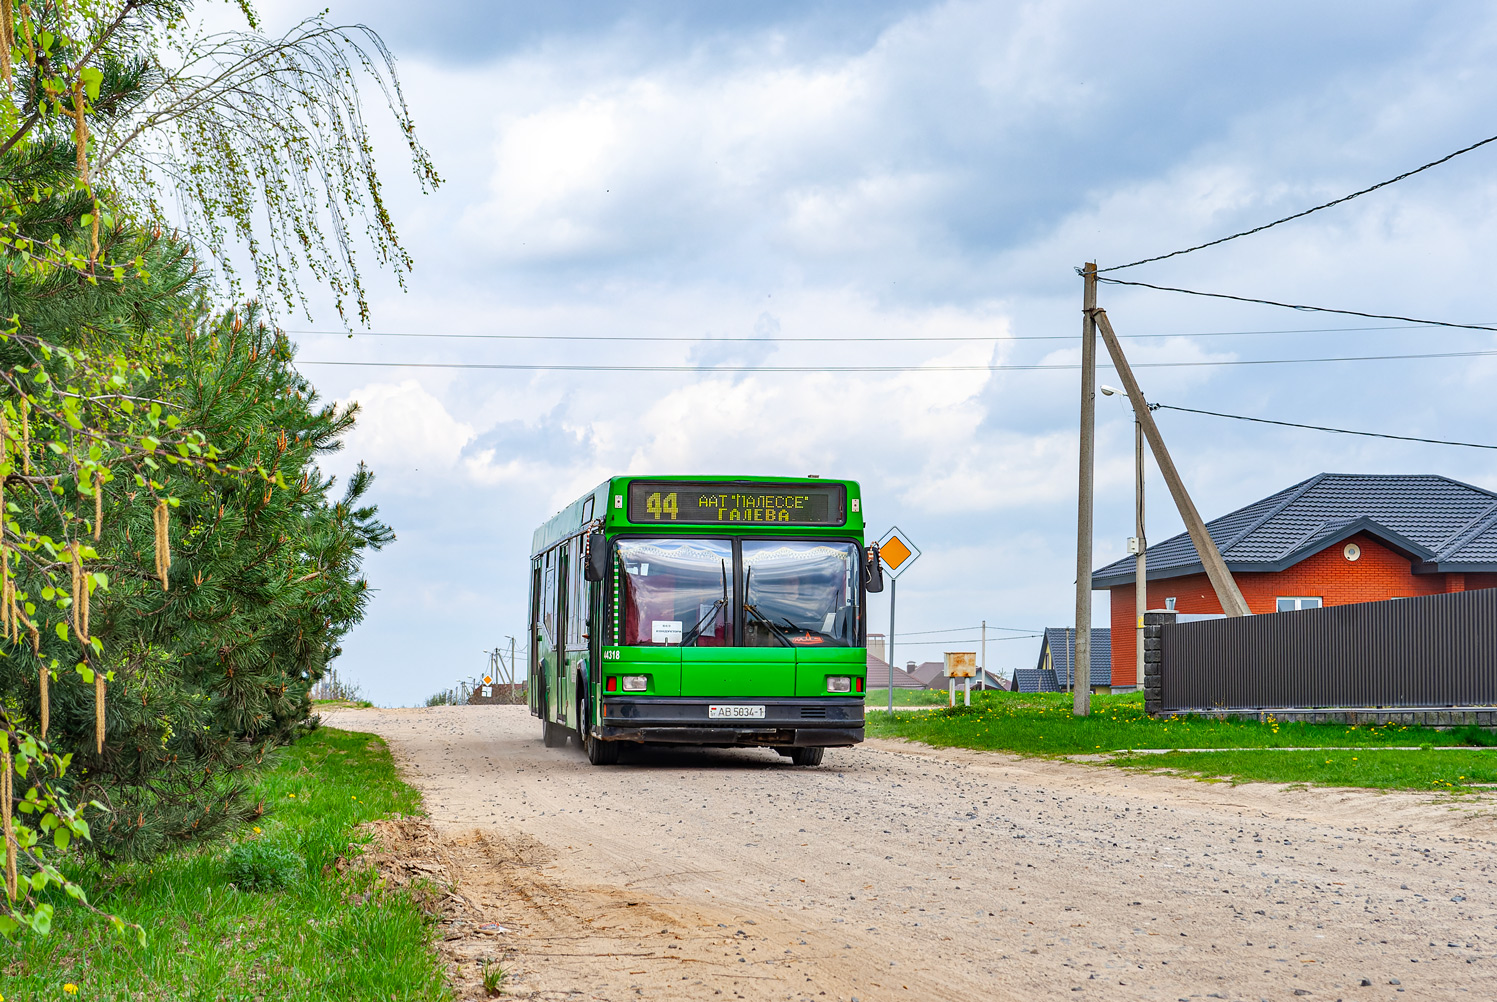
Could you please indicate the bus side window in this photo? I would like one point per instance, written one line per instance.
(576, 597)
(548, 598)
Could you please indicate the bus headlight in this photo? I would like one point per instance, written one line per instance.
(635, 683)
(839, 683)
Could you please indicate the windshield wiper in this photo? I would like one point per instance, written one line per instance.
(696, 631)
(759, 615)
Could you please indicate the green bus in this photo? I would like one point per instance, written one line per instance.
(705, 611)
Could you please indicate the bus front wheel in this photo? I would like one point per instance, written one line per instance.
(598, 752)
(806, 756)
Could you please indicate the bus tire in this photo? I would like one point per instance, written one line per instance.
(601, 752)
(806, 756)
(598, 752)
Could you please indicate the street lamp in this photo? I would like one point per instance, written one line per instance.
(1136, 545)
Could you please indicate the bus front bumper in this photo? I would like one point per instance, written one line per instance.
(825, 722)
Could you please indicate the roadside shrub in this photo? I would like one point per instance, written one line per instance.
(256, 866)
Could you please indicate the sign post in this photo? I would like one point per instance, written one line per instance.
(897, 553)
(960, 664)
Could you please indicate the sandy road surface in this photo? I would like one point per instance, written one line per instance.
(898, 872)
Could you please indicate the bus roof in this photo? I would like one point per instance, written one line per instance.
(700, 503)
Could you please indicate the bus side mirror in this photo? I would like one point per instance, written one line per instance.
(873, 570)
(597, 557)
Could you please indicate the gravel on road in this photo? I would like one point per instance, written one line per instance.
(898, 871)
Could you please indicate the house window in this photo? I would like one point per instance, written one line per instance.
(1293, 604)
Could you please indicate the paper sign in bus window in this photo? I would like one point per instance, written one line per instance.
(665, 631)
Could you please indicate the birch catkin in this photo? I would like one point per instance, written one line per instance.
(163, 543)
(5, 819)
(75, 565)
(98, 510)
(7, 37)
(99, 710)
(80, 129)
(7, 600)
(46, 713)
(26, 436)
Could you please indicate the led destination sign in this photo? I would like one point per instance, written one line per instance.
(698, 504)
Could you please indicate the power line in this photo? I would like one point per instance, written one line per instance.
(1306, 212)
(963, 629)
(1296, 306)
(1058, 367)
(630, 338)
(1316, 427)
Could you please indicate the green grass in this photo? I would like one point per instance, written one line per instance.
(207, 940)
(1042, 724)
(874, 698)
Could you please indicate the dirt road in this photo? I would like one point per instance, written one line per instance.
(898, 872)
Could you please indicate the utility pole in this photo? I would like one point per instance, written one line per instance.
(1227, 592)
(984, 654)
(1081, 698)
(1140, 575)
(513, 672)
(893, 583)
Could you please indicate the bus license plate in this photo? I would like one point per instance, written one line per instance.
(738, 712)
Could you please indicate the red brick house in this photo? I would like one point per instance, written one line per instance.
(1331, 540)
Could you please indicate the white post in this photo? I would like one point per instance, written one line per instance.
(951, 690)
(967, 694)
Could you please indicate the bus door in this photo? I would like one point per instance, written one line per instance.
(536, 688)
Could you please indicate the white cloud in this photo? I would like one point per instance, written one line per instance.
(403, 427)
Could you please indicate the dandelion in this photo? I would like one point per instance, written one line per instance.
(291, 795)
(70, 988)
(257, 831)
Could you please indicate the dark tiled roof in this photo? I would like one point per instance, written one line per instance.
(1035, 680)
(1442, 524)
(1061, 642)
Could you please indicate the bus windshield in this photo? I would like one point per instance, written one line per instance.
(680, 592)
(677, 592)
(800, 593)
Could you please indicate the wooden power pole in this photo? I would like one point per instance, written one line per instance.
(1227, 592)
(1081, 664)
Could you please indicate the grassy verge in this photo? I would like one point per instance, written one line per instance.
(874, 698)
(324, 935)
(1042, 724)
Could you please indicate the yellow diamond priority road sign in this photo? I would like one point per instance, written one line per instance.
(897, 551)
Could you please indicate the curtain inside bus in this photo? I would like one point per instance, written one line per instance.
(800, 593)
(677, 592)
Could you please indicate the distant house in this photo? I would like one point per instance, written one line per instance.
(1055, 669)
(1333, 539)
(932, 674)
(880, 672)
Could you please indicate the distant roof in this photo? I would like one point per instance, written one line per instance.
(1440, 524)
(928, 671)
(1035, 680)
(879, 673)
(1060, 641)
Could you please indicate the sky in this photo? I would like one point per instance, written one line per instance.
(927, 172)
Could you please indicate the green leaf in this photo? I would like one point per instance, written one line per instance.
(62, 634)
(61, 837)
(92, 77)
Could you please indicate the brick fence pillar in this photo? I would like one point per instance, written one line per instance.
(1154, 659)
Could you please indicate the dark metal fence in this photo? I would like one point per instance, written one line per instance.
(1415, 653)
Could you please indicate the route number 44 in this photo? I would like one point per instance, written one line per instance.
(659, 505)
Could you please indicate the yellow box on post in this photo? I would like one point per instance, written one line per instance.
(960, 664)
